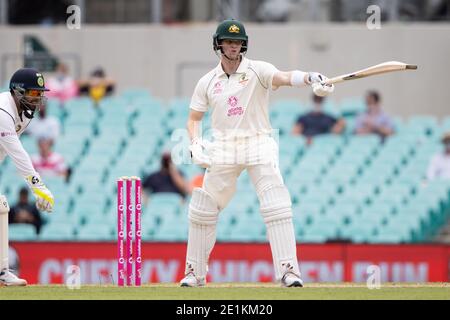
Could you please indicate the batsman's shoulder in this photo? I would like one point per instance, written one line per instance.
(260, 64)
(206, 79)
(262, 67)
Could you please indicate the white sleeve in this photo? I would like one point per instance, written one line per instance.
(265, 72)
(199, 100)
(11, 145)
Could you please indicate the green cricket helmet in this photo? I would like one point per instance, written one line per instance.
(232, 30)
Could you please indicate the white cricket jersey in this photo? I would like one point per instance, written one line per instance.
(11, 127)
(239, 104)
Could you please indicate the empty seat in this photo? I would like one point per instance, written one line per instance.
(57, 232)
(95, 232)
(22, 232)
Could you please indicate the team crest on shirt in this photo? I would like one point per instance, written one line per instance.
(243, 79)
(18, 127)
(217, 87)
(233, 108)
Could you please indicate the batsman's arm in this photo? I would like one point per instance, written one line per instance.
(197, 145)
(194, 124)
(294, 78)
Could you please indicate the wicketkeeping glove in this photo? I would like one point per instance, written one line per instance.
(44, 198)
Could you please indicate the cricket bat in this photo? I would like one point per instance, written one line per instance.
(384, 67)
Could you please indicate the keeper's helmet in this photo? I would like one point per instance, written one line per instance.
(27, 84)
(232, 30)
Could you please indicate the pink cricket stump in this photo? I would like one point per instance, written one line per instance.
(120, 235)
(137, 241)
(129, 242)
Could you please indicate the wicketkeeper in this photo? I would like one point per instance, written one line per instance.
(17, 108)
(237, 94)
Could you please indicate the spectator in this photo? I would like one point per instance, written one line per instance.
(439, 167)
(62, 86)
(317, 121)
(25, 212)
(374, 120)
(45, 125)
(167, 179)
(47, 162)
(97, 86)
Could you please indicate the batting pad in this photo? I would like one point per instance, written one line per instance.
(4, 233)
(203, 212)
(283, 245)
(275, 203)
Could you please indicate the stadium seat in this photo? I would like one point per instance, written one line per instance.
(348, 186)
(22, 232)
(60, 231)
(95, 232)
(351, 107)
(361, 231)
(328, 231)
(312, 238)
(173, 230)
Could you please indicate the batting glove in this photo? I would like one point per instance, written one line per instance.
(316, 77)
(44, 198)
(318, 85)
(322, 89)
(198, 155)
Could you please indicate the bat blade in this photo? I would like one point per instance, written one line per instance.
(385, 67)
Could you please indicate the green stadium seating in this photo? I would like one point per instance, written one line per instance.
(342, 186)
(312, 238)
(174, 229)
(22, 232)
(61, 231)
(352, 106)
(95, 232)
(360, 231)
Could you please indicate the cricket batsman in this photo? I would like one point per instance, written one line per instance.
(17, 108)
(237, 94)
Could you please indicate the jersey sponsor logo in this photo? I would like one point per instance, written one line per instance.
(7, 134)
(232, 101)
(217, 87)
(234, 29)
(234, 109)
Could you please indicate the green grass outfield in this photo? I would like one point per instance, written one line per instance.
(232, 291)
